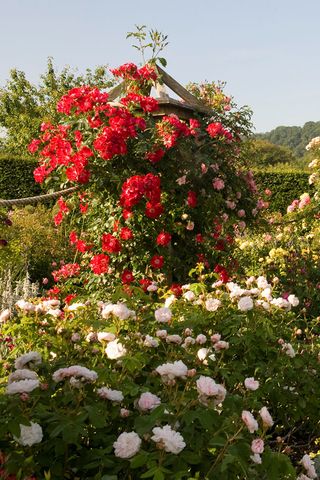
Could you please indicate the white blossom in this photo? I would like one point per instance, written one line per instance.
(30, 435)
(113, 395)
(148, 401)
(245, 304)
(115, 350)
(77, 371)
(127, 445)
(163, 315)
(212, 304)
(168, 439)
(22, 374)
(31, 359)
(22, 386)
(172, 370)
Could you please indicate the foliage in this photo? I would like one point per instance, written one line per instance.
(16, 177)
(31, 242)
(262, 154)
(157, 194)
(285, 187)
(258, 342)
(24, 106)
(151, 39)
(296, 138)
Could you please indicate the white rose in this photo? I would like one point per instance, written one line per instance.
(245, 304)
(127, 445)
(30, 435)
(115, 350)
(163, 315)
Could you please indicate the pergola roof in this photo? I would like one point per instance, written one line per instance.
(184, 108)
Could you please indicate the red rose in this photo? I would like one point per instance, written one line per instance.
(176, 289)
(199, 238)
(126, 233)
(192, 199)
(157, 261)
(99, 263)
(163, 239)
(153, 210)
(110, 243)
(127, 276)
(145, 283)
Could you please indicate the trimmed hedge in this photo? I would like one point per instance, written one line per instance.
(16, 181)
(16, 178)
(285, 187)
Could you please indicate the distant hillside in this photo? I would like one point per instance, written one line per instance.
(296, 138)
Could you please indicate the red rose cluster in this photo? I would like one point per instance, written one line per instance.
(216, 129)
(130, 71)
(66, 271)
(139, 186)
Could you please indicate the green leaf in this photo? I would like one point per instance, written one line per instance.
(163, 61)
(139, 460)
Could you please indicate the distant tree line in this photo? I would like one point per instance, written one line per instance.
(295, 138)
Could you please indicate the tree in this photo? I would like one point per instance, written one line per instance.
(261, 153)
(24, 106)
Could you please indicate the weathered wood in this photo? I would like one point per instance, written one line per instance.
(116, 91)
(180, 90)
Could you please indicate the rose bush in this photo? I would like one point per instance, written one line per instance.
(157, 194)
(213, 384)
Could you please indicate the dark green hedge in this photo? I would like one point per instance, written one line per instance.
(285, 187)
(16, 178)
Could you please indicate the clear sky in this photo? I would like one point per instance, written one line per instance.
(266, 50)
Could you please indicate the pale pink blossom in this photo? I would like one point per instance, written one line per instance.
(257, 445)
(201, 339)
(163, 315)
(245, 304)
(251, 384)
(212, 304)
(174, 339)
(115, 350)
(230, 204)
(106, 337)
(127, 445)
(113, 395)
(266, 417)
(190, 226)
(161, 333)
(218, 184)
(241, 213)
(221, 345)
(249, 420)
(308, 464)
(148, 401)
(256, 458)
(168, 439)
(182, 180)
(216, 337)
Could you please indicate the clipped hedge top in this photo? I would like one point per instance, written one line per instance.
(16, 178)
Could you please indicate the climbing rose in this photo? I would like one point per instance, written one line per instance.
(163, 239)
(110, 243)
(99, 264)
(157, 261)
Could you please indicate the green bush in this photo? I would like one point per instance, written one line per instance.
(285, 187)
(16, 178)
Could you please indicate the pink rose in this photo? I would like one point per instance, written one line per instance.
(249, 420)
(257, 445)
(266, 417)
(251, 384)
(218, 183)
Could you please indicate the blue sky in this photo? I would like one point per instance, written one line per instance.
(266, 50)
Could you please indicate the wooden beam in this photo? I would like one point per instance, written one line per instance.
(179, 89)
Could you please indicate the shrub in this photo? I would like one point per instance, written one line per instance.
(32, 242)
(16, 178)
(104, 374)
(158, 194)
(285, 187)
